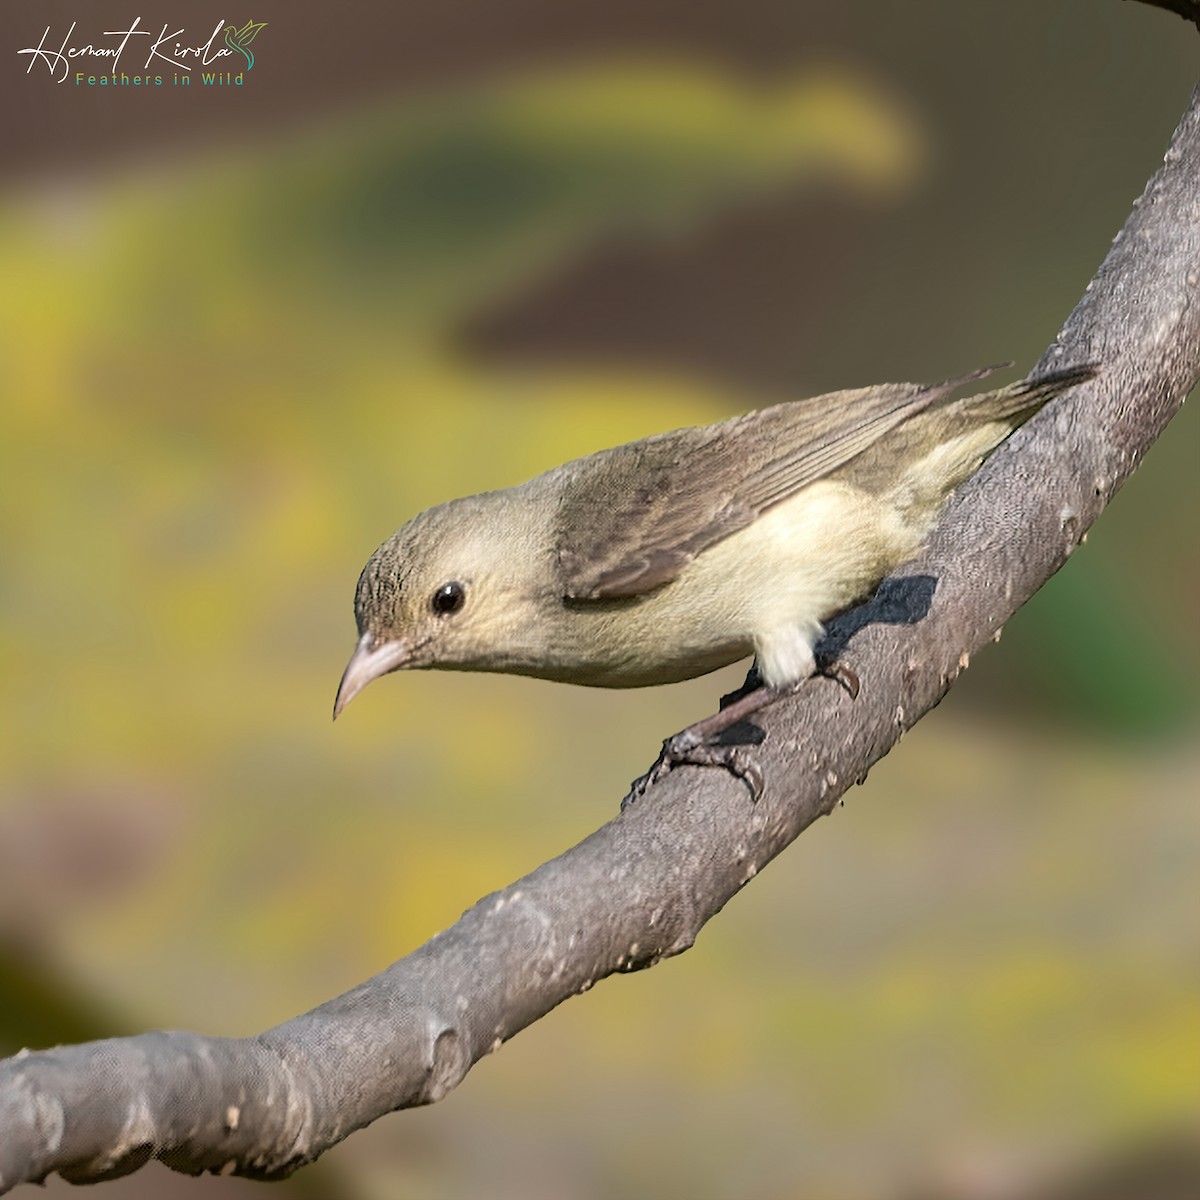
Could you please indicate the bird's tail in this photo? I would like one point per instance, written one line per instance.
(1021, 399)
(951, 440)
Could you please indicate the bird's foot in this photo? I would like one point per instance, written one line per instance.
(687, 748)
(839, 672)
(698, 744)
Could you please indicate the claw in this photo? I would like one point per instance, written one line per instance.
(685, 749)
(696, 746)
(839, 672)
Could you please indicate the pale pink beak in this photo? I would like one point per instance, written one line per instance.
(369, 661)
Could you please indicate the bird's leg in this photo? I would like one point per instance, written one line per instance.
(697, 745)
(751, 683)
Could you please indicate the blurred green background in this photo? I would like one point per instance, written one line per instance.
(434, 250)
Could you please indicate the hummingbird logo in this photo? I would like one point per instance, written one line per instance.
(240, 39)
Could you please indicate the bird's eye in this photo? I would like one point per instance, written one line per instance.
(449, 598)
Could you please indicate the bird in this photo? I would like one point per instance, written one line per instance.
(669, 557)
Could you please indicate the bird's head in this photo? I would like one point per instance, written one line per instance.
(445, 590)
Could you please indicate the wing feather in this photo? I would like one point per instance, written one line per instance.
(633, 517)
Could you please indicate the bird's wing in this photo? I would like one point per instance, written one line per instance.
(633, 517)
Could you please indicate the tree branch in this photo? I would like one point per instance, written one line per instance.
(641, 887)
(1189, 10)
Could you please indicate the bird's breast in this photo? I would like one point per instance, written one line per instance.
(789, 570)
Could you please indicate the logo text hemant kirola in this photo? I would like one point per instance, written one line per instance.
(73, 55)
